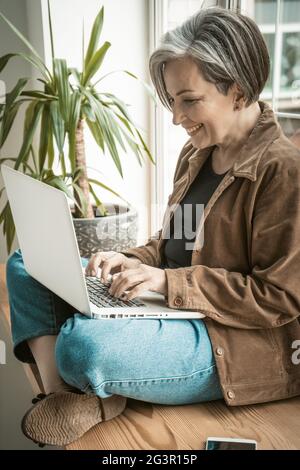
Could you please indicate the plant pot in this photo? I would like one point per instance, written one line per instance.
(114, 232)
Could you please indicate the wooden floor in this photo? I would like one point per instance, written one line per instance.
(145, 426)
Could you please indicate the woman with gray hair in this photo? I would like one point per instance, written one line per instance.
(238, 263)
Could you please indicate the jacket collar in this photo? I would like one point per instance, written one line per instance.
(264, 133)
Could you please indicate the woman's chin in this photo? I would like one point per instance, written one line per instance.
(200, 143)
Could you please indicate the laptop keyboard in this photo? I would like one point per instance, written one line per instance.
(99, 295)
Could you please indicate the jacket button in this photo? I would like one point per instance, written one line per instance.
(178, 301)
(231, 394)
(220, 351)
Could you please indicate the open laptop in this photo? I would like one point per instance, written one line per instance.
(48, 243)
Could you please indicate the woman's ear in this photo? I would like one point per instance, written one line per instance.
(237, 97)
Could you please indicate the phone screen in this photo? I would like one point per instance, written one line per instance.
(230, 444)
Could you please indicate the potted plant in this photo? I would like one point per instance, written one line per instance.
(68, 101)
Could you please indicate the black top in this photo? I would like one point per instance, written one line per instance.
(179, 245)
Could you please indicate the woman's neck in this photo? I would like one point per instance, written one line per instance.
(226, 152)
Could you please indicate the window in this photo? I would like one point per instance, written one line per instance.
(279, 21)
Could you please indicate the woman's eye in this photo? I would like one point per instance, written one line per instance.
(187, 101)
(190, 101)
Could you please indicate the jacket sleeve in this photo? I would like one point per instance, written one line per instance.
(267, 297)
(149, 253)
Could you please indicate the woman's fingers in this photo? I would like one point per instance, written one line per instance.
(108, 265)
(138, 290)
(125, 281)
(97, 261)
(93, 264)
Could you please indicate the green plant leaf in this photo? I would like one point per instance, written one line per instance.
(44, 136)
(113, 127)
(95, 63)
(20, 35)
(77, 174)
(127, 121)
(28, 135)
(104, 186)
(8, 226)
(100, 206)
(2, 191)
(96, 133)
(147, 87)
(34, 158)
(4, 60)
(103, 124)
(107, 75)
(32, 60)
(29, 113)
(36, 56)
(59, 183)
(94, 38)
(27, 166)
(82, 45)
(38, 95)
(15, 92)
(88, 113)
(46, 174)
(76, 74)
(58, 126)
(61, 75)
(83, 202)
(51, 31)
(7, 121)
(145, 146)
(75, 106)
(134, 147)
(119, 104)
(50, 150)
(144, 84)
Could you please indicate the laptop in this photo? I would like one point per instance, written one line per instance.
(48, 243)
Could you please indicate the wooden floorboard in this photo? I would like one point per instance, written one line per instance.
(147, 426)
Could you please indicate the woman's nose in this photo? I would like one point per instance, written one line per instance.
(178, 116)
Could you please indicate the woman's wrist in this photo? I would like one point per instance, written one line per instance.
(134, 258)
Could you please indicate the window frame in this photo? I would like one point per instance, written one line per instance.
(279, 29)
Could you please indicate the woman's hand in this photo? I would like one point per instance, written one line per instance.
(110, 262)
(138, 280)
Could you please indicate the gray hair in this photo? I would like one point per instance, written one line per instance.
(227, 46)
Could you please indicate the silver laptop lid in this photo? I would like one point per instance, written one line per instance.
(47, 237)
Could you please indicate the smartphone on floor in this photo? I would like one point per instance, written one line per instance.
(225, 443)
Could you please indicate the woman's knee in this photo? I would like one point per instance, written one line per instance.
(15, 269)
(91, 352)
(79, 359)
(14, 263)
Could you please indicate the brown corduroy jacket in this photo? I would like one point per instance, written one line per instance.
(246, 275)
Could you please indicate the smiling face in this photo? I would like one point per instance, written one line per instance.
(206, 114)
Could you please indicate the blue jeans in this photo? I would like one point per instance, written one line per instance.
(158, 361)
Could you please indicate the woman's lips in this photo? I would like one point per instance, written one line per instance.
(194, 130)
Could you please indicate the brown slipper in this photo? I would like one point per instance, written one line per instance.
(63, 417)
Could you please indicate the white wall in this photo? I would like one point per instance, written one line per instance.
(15, 10)
(126, 27)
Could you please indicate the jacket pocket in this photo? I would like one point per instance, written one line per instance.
(250, 356)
